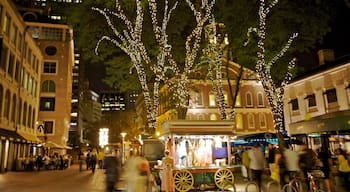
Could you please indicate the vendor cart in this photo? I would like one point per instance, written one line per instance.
(201, 153)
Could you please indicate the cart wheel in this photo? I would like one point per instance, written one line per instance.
(183, 180)
(223, 178)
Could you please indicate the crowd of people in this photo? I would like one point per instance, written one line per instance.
(286, 164)
(40, 162)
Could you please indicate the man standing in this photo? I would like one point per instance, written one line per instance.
(257, 163)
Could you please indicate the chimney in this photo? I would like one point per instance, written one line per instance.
(325, 55)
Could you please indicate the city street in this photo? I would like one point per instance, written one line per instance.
(71, 180)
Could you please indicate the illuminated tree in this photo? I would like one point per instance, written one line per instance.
(165, 69)
(274, 92)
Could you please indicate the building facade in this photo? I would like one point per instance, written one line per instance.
(317, 105)
(21, 62)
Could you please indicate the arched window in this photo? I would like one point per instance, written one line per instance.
(251, 123)
(48, 86)
(239, 121)
(260, 99)
(238, 100)
(33, 116)
(19, 118)
(262, 120)
(249, 99)
(29, 122)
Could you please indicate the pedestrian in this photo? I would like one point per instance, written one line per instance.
(306, 162)
(344, 171)
(87, 160)
(326, 162)
(100, 157)
(112, 172)
(256, 165)
(80, 160)
(93, 161)
(166, 174)
(137, 173)
(271, 157)
(245, 164)
(292, 164)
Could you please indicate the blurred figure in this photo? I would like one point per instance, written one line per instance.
(271, 156)
(306, 162)
(245, 164)
(100, 157)
(326, 161)
(93, 161)
(112, 172)
(292, 163)
(256, 165)
(166, 174)
(80, 160)
(344, 171)
(137, 173)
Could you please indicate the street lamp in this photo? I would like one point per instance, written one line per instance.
(123, 134)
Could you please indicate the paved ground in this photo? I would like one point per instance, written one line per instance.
(71, 180)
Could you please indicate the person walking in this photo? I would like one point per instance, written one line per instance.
(325, 158)
(306, 162)
(245, 164)
(100, 157)
(271, 157)
(256, 165)
(166, 174)
(292, 163)
(112, 172)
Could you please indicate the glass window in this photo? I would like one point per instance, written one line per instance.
(249, 99)
(239, 121)
(24, 116)
(3, 59)
(6, 25)
(48, 127)
(262, 120)
(1, 98)
(7, 105)
(331, 96)
(11, 65)
(238, 100)
(212, 100)
(13, 34)
(213, 117)
(13, 112)
(49, 67)
(311, 100)
(294, 104)
(260, 99)
(48, 86)
(251, 123)
(47, 104)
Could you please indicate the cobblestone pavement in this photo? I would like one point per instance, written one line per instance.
(71, 180)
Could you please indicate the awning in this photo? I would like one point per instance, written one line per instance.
(339, 122)
(51, 144)
(11, 135)
(29, 137)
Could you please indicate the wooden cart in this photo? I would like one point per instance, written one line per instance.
(188, 176)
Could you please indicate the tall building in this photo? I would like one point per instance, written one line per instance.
(21, 65)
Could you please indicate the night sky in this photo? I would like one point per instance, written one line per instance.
(338, 40)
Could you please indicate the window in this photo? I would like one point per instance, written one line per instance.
(249, 99)
(13, 112)
(29, 122)
(294, 104)
(331, 96)
(6, 25)
(213, 117)
(24, 116)
(260, 99)
(238, 100)
(311, 100)
(262, 120)
(13, 34)
(48, 127)
(7, 105)
(17, 71)
(11, 65)
(196, 99)
(47, 104)
(251, 123)
(239, 121)
(3, 59)
(49, 67)
(212, 100)
(51, 50)
(1, 98)
(48, 86)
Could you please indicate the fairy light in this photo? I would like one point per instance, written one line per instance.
(129, 40)
(274, 93)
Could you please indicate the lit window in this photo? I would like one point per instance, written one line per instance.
(211, 99)
(260, 99)
(262, 119)
(239, 121)
(249, 99)
(49, 67)
(251, 123)
(6, 25)
(213, 117)
(47, 104)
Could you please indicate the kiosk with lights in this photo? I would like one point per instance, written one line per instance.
(201, 152)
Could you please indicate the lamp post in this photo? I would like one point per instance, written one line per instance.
(123, 134)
